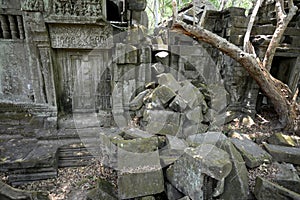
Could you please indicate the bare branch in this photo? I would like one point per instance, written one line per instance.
(275, 90)
(247, 45)
(282, 23)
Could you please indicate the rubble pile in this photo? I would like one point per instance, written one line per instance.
(178, 108)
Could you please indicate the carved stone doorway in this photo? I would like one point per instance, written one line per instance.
(83, 81)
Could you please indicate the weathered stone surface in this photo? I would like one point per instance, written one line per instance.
(173, 149)
(205, 159)
(213, 138)
(265, 189)
(142, 176)
(139, 145)
(184, 198)
(168, 80)
(281, 139)
(169, 156)
(104, 191)
(148, 198)
(219, 99)
(157, 69)
(236, 183)
(172, 192)
(251, 152)
(195, 115)
(164, 94)
(178, 104)
(9, 193)
(191, 129)
(284, 154)
(138, 101)
(191, 94)
(134, 133)
(126, 53)
(287, 177)
(174, 142)
(162, 122)
(210, 115)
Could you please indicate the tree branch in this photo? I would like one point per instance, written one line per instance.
(247, 44)
(275, 90)
(282, 23)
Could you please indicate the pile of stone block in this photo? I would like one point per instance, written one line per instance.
(178, 108)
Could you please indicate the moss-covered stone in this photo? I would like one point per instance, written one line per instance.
(9, 193)
(265, 189)
(281, 139)
(251, 152)
(138, 145)
(104, 191)
(187, 173)
(284, 154)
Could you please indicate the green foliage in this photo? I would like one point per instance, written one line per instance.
(160, 10)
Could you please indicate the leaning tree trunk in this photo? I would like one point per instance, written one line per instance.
(279, 94)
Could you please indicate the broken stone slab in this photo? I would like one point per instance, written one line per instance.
(253, 154)
(191, 94)
(157, 69)
(174, 142)
(126, 53)
(281, 139)
(284, 154)
(172, 192)
(162, 122)
(168, 80)
(139, 174)
(169, 156)
(236, 183)
(203, 160)
(164, 94)
(213, 138)
(39, 161)
(287, 177)
(104, 190)
(191, 129)
(265, 189)
(210, 116)
(178, 104)
(138, 101)
(134, 133)
(173, 149)
(195, 115)
(9, 193)
(220, 97)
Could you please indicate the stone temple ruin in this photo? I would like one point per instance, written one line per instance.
(77, 83)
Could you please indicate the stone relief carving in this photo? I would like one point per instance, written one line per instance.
(84, 36)
(77, 8)
(33, 5)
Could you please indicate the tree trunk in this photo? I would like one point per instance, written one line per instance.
(275, 90)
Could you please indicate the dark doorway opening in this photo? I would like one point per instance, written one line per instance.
(282, 69)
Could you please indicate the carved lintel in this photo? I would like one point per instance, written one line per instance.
(33, 5)
(77, 8)
(80, 36)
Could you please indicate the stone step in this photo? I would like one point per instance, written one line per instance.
(74, 156)
(20, 179)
